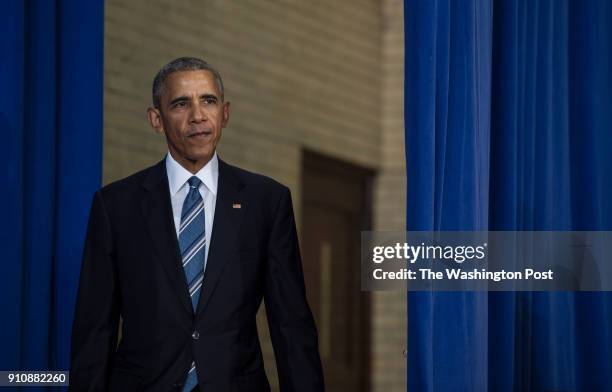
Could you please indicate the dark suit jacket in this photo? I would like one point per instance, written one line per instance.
(132, 267)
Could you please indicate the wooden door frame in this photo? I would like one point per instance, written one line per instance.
(316, 162)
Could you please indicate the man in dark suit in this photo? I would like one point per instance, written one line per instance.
(184, 252)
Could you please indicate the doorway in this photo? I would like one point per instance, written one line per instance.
(336, 208)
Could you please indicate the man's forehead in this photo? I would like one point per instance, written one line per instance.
(185, 82)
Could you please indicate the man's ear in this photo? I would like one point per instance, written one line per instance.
(226, 114)
(154, 116)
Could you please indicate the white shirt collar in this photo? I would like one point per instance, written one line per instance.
(178, 175)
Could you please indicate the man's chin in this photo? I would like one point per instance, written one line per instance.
(201, 157)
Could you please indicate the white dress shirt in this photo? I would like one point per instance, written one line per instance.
(179, 188)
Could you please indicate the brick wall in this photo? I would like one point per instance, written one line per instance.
(389, 308)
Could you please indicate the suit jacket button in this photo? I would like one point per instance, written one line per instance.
(195, 335)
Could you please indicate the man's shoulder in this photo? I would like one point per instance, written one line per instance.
(157, 172)
(254, 180)
(150, 176)
(135, 181)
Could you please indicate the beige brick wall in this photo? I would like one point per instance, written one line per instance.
(323, 75)
(389, 308)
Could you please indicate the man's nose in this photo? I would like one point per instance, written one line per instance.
(198, 114)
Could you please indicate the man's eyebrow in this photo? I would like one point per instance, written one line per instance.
(209, 96)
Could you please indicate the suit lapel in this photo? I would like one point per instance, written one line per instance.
(157, 210)
(224, 234)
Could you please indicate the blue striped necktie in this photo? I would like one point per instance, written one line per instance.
(192, 241)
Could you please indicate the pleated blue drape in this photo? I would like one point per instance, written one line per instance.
(508, 127)
(51, 120)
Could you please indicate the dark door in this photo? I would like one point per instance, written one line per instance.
(336, 207)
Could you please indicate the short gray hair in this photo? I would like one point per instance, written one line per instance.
(182, 64)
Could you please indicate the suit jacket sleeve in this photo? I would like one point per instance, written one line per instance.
(291, 324)
(94, 330)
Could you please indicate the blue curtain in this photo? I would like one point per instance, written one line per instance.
(509, 127)
(51, 119)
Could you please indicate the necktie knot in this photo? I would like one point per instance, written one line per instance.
(194, 182)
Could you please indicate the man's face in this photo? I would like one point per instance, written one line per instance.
(191, 115)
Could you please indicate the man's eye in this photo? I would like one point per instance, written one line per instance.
(179, 105)
(210, 100)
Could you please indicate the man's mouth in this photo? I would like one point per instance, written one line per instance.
(199, 134)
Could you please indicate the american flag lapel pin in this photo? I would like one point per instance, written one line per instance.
(237, 206)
